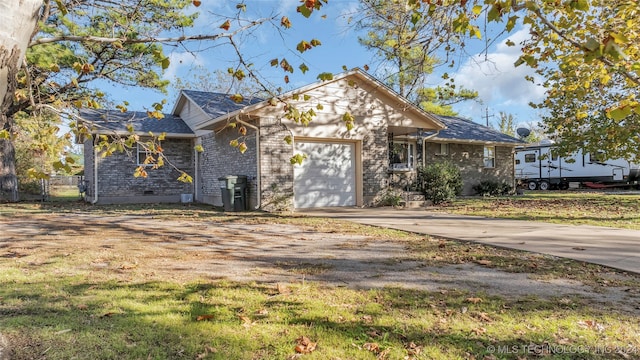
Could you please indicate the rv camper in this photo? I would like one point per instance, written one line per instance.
(538, 168)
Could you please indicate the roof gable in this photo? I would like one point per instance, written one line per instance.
(109, 121)
(217, 104)
(220, 107)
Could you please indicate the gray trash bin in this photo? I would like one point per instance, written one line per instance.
(234, 192)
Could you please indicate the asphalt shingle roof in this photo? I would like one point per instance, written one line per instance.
(218, 104)
(114, 120)
(463, 129)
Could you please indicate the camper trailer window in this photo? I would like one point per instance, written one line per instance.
(597, 157)
(489, 156)
(529, 158)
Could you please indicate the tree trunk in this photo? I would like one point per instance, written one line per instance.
(18, 19)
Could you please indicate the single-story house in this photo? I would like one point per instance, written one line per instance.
(341, 166)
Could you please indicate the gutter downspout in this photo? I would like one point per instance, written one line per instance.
(95, 175)
(258, 177)
(424, 139)
(196, 160)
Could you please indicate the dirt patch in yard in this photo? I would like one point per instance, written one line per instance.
(149, 248)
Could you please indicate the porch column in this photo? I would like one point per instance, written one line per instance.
(419, 146)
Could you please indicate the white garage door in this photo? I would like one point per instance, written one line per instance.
(326, 177)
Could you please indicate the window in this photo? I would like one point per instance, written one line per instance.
(529, 158)
(597, 157)
(489, 156)
(142, 154)
(402, 156)
(444, 149)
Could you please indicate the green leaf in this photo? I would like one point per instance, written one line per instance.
(592, 44)
(620, 113)
(297, 159)
(237, 98)
(303, 67)
(62, 8)
(511, 22)
(198, 148)
(288, 139)
(325, 76)
(165, 63)
(185, 178)
(302, 9)
(477, 9)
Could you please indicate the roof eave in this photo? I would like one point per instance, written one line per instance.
(478, 142)
(142, 133)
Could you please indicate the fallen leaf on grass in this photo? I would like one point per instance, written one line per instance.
(109, 314)
(591, 324)
(414, 349)
(373, 347)
(128, 266)
(204, 317)
(479, 331)
(82, 307)
(207, 350)
(282, 289)
(246, 321)
(374, 333)
(484, 262)
(367, 319)
(474, 300)
(484, 317)
(304, 345)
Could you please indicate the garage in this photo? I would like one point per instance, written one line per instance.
(326, 177)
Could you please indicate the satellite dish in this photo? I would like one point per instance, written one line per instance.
(523, 132)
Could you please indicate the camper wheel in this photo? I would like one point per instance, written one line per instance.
(543, 185)
(532, 185)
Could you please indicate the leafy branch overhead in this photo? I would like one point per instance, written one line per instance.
(585, 53)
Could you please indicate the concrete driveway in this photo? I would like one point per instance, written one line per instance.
(616, 248)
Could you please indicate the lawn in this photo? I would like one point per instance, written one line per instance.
(68, 291)
(612, 209)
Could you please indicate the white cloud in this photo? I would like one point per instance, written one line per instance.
(496, 78)
(180, 62)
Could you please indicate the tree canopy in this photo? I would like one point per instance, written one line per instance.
(408, 47)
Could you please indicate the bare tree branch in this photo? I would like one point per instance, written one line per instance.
(125, 40)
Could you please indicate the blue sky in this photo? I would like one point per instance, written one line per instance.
(501, 86)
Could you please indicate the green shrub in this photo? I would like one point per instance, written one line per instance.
(439, 182)
(492, 188)
(391, 198)
(29, 186)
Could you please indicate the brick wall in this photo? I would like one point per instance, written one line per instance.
(116, 182)
(277, 171)
(470, 159)
(375, 164)
(221, 159)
